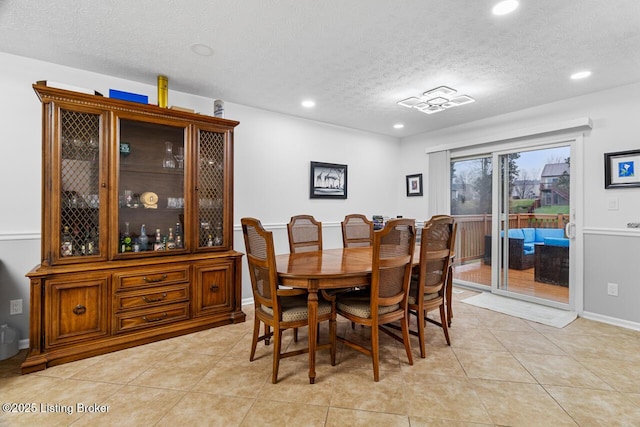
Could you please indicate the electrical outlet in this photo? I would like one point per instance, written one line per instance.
(15, 306)
(612, 289)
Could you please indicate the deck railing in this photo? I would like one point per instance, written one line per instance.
(473, 228)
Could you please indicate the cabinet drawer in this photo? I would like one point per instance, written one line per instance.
(151, 277)
(141, 319)
(151, 297)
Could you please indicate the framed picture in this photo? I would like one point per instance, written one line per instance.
(414, 185)
(327, 181)
(620, 169)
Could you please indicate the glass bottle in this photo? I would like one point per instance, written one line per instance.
(179, 240)
(143, 240)
(89, 244)
(66, 244)
(157, 244)
(171, 242)
(168, 161)
(210, 240)
(126, 245)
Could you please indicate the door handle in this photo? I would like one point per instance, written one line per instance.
(570, 230)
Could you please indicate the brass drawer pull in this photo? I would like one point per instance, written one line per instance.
(163, 296)
(79, 309)
(146, 279)
(214, 288)
(155, 319)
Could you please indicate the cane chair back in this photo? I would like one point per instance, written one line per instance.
(428, 290)
(305, 234)
(357, 231)
(385, 300)
(278, 308)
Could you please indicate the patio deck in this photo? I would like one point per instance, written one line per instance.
(520, 281)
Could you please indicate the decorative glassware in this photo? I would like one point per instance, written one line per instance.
(168, 161)
(179, 156)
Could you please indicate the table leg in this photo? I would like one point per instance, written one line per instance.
(449, 295)
(312, 306)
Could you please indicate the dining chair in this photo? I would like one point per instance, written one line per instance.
(305, 234)
(357, 231)
(278, 308)
(428, 288)
(449, 285)
(385, 300)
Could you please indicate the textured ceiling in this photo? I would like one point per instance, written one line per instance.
(355, 58)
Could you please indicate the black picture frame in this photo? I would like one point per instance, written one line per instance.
(414, 185)
(622, 169)
(327, 181)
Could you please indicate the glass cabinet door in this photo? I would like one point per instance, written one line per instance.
(151, 188)
(211, 190)
(80, 201)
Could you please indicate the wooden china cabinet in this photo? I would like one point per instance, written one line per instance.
(105, 283)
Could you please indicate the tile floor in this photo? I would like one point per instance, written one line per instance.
(499, 370)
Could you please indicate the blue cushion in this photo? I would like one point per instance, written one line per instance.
(528, 248)
(516, 233)
(556, 241)
(529, 234)
(541, 233)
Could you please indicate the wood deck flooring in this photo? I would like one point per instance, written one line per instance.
(520, 281)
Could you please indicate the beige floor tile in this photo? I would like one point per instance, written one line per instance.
(475, 339)
(527, 342)
(621, 375)
(498, 371)
(133, 406)
(178, 371)
(237, 377)
(207, 410)
(560, 370)
(439, 361)
(442, 397)
(339, 417)
(596, 407)
(518, 404)
(356, 389)
(435, 422)
(501, 322)
(491, 365)
(293, 384)
(273, 413)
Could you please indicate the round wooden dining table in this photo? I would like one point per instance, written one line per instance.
(321, 270)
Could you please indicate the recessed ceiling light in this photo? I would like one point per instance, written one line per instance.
(201, 49)
(308, 103)
(505, 7)
(398, 126)
(580, 75)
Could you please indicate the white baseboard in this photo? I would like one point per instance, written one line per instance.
(611, 320)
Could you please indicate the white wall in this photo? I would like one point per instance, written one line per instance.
(615, 116)
(272, 157)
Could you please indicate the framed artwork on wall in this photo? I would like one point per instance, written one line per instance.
(414, 185)
(327, 181)
(620, 169)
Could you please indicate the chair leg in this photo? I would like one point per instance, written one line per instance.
(448, 295)
(405, 338)
(443, 320)
(375, 352)
(332, 338)
(267, 331)
(277, 346)
(421, 333)
(254, 343)
(295, 334)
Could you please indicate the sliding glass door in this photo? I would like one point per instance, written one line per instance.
(513, 213)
